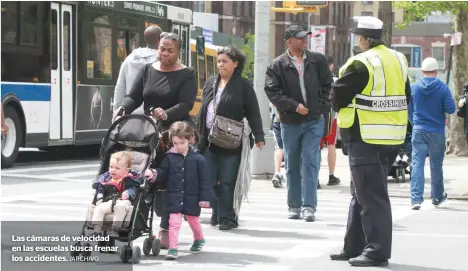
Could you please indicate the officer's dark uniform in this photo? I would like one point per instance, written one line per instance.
(368, 236)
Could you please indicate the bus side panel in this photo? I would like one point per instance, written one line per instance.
(93, 113)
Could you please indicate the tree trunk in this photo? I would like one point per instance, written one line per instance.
(457, 139)
(386, 15)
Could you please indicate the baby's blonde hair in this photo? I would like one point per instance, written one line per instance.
(123, 155)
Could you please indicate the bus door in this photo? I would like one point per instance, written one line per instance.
(62, 72)
(183, 33)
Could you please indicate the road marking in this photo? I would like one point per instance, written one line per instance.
(42, 168)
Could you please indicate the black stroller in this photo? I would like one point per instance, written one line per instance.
(140, 135)
(402, 164)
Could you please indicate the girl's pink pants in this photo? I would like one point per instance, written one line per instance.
(175, 221)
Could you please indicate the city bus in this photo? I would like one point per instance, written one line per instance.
(60, 63)
(205, 67)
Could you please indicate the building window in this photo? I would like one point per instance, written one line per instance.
(412, 54)
(367, 3)
(438, 52)
(234, 8)
(367, 13)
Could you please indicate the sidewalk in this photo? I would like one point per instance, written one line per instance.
(455, 174)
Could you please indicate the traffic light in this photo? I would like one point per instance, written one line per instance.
(200, 45)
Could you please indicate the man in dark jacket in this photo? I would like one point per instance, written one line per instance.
(298, 84)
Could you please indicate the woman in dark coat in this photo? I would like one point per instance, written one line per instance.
(236, 100)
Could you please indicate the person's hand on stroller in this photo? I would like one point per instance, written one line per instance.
(159, 114)
(125, 195)
(118, 113)
(461, 103)
(151, 174)
(204, 204)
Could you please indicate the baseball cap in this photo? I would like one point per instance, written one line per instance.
(430, 64)
(295, 31)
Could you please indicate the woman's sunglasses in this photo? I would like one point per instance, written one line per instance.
(172, 36)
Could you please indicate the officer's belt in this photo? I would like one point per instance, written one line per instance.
(380, 103)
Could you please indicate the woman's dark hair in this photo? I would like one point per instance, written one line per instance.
(184, 130)
(173, 37)
(236, 56)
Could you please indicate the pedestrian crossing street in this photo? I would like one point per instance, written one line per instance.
(265, 239)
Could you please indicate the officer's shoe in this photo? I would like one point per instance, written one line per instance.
(440, 202)
(341, 256)
(294, 213)
(363, 260)
(308, 214)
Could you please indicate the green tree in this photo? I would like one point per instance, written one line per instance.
(417, 10)
(248, 50)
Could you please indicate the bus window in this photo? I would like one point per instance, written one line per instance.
(66, 40)
(53, 40)
(9, 21)
(185, 45)
(127, 42)
(201, 71)
(29, 23)
(194, 63)
(99, 47)
(210, 66)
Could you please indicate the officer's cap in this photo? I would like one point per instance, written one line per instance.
(295, 31)
(369, 26)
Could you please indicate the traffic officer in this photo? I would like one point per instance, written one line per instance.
(371, 96)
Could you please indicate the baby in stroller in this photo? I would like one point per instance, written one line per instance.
(116, 193)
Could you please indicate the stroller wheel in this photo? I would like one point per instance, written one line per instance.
(147, 245)
(156, 246)
(125, 253)
(75, 250)
(87, 250)
(136, 254)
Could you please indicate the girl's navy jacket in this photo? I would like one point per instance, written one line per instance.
(187, 181)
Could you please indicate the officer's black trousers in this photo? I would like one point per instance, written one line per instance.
(369, 229)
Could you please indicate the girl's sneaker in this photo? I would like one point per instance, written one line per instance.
(197, 246)
(171, 254)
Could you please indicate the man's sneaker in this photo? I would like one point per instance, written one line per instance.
(277, 180)
(440, 201)
(294, 213)
(333, 180)
(308, 214)
(171, 254)
(197, 246)
(416, 206)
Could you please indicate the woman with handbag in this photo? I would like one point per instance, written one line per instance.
(221, 128)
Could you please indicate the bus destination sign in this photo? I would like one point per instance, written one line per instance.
(140, 7)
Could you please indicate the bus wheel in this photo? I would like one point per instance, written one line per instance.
(12, 140)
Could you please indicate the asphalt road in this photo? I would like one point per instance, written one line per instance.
(47, 195)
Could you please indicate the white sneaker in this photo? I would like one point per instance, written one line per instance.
(416, 206)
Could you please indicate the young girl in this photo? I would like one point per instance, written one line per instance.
(121, 180)
(187, 189)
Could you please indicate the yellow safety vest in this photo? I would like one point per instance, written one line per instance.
(382, 106)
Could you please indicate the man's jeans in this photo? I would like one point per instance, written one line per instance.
(301, 146)
(433, 144)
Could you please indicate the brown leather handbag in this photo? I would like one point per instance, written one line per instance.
(225, 132)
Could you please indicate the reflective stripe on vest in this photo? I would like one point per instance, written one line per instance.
(382, 106)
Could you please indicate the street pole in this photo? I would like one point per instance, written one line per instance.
(261, 162)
